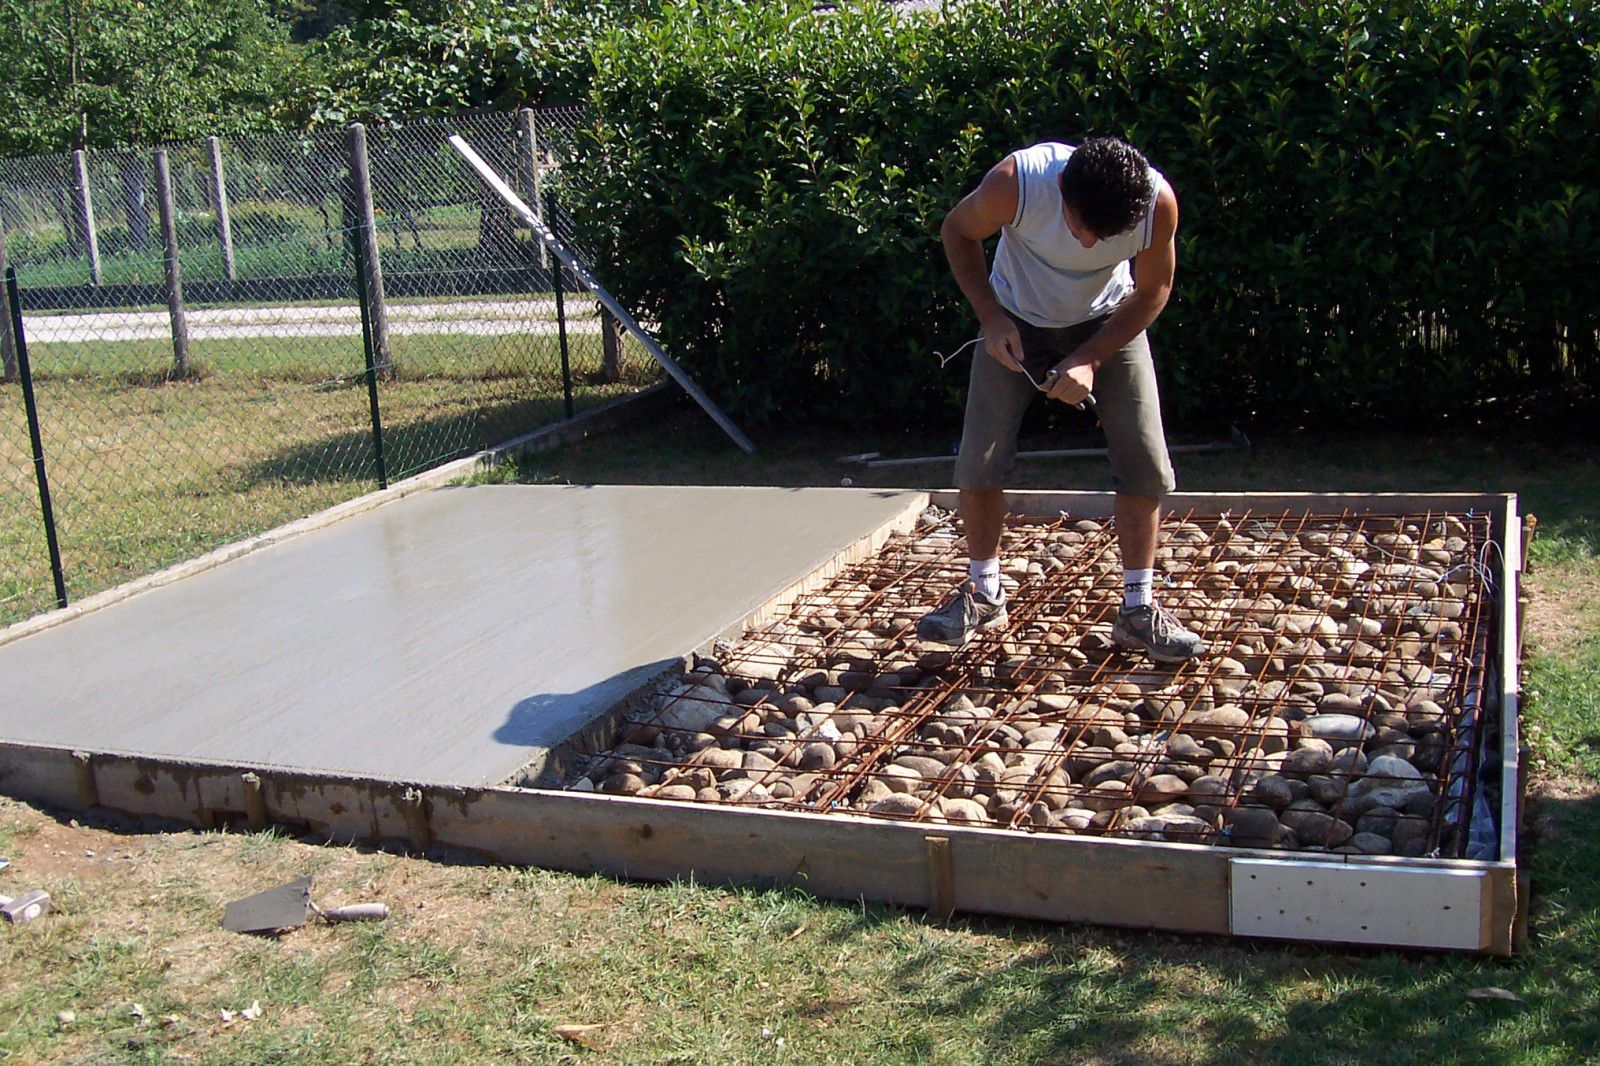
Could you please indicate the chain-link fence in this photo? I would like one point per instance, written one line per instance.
(180, 409)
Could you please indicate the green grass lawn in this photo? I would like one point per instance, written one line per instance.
(484, 963)
(147, 472)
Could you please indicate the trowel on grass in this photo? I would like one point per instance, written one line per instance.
(289, 906)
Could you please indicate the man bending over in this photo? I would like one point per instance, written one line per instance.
(1062, 313)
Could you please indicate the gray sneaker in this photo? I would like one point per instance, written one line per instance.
(962, 615)
(1153, 630)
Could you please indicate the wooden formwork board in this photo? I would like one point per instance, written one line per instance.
(1380, 900)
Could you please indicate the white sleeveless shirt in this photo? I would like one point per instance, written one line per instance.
(1041, 273)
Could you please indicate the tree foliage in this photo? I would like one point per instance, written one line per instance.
(440, 56)
(1389, 206)
(95, 73)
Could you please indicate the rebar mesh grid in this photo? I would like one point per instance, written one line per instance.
(1336, 708)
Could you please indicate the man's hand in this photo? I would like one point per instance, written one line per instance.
(1070, 381)
(1003, 341)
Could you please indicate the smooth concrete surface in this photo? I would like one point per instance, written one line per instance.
(447, 638)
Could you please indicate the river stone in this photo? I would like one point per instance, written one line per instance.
(964, 811)
(1315, 826)
(1055, 794)
(1410, 837)
(1227, 716)
(744, 790)
(1420, 802)
(1339, 703)
(720, 758)
(1379, 821)
(921, 765)
(1115, 770)
(1273, 791)
(873, 791)
(1429, 751)
(1253, 827)
(963, 781)
(1162, 787)
(990, 766)
(1310, 759)
(1371, 844)
(816, 756)
(675, 792)
(900, 805)
(1327, 790)
(1105, 796)
(1339, 728)
(692, 708)
(1388, 772)
(757, 763)
(900, 778)
(1073, 818)
(1183, 746)
(1350, 762)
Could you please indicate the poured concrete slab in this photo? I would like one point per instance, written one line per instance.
(449, 637)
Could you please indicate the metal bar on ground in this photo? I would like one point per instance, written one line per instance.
(359, 247)
(491, 178)
(85, 204)
(367, 227)
(35, 438)
(173, 270)
(219, 196)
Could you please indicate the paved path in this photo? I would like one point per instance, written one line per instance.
(485, 318)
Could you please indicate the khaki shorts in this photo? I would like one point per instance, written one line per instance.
(1124, 391)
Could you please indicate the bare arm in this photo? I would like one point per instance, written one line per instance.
(1153, 272)
(979, 216)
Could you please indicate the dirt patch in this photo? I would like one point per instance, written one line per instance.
(1563, 607)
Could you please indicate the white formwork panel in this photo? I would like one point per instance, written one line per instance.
(1390, 905)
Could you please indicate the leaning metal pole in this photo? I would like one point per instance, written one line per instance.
(497, 184)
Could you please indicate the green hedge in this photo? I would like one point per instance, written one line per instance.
(1388, 209)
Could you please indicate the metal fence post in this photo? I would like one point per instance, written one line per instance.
(9, 371)
(35, 438)
(85, 205)
(367, 229)
(358, 243)
(558, 281)
(174, 272)
(219, 200)
(532, 173)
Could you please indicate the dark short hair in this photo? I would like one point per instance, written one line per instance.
(1107, 184)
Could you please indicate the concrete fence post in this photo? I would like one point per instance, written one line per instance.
(610, 346)
(219, 202)
(367, 234)
(9, 372)
(174, 273)
(532, 173)
(89, 242)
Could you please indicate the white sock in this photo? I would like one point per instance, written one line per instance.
(1136, 587)
(985, 577)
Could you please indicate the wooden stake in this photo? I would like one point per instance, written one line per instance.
(941, 879)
